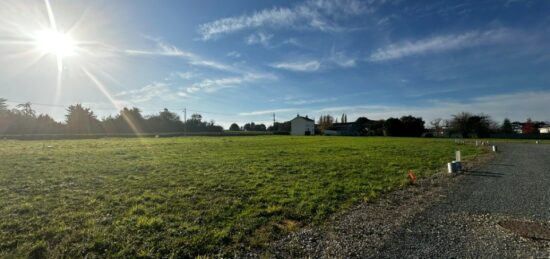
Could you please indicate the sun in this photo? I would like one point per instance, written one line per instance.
(55, 43)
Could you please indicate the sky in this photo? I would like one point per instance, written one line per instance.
(242, 61)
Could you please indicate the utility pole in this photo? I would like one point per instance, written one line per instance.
(273, 119)
(185, 121)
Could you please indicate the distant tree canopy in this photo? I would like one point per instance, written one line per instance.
(3, 106)
(529, 127)
(81, 120)
(374, 128)
(254, 127)
(469, 125)
(507, 127)
(234, 127)
(407, 126)
(325, 121)
(280, 127)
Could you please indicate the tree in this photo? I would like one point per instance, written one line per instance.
(437, 126)
(260, 127)
(412, 126)
(479, 126)
(468, 125)
(281, 128)
(407, 126)
(81, 120)
(44, 124)
(3, 106)
(507, 127)
(234, 127)
(529, 127)
(249, 126)
(459, 123)
(131, 121)
(127, 121)
(344, 118)
(393, 127)
(167, 121)
(26, 110)
(325, 122)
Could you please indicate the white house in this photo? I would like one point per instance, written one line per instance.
(544, 130)
(301, 126)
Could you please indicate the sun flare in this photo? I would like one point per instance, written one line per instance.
(55, 43)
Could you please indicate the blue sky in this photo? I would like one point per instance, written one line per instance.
(242, 61)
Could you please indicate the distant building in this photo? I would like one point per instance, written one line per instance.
(518, 127)
(545, 129)
(302, 126)
(344, 129)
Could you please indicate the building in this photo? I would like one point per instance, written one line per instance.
(518, 127)
(545, 129)
(302, 126)
(344, 129)
(361, 127)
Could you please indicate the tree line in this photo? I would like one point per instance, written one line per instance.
(463, 124)
(23, 119)
(81, 120)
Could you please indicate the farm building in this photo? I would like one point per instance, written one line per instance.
(301, 126)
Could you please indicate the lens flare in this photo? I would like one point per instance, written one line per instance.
(56, 43)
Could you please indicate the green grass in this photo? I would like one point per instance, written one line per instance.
(192, 196)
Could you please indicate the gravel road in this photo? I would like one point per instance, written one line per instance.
(515, 185)
(442, 216)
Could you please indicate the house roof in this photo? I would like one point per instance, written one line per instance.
(305, 118)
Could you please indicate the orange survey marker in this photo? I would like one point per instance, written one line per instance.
(412, 177)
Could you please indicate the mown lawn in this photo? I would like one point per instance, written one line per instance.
(191, 196)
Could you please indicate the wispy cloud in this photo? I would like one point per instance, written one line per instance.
(341, 59)
(185, 75)
(233, 54)
(165, 49)
(310, 101)
(439, 43)
(259, 38)
(314, 14)
(264, 112)
(213, 85)
(292, 41)
(146, 93)
(299, 66)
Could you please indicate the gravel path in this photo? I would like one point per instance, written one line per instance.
(442, 216)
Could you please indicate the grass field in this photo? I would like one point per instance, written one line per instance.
(192, 196)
